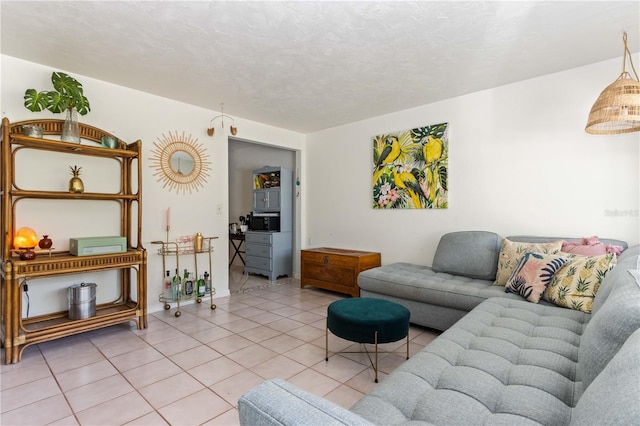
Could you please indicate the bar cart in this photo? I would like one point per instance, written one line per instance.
(184, 247)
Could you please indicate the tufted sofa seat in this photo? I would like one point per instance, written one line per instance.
(506, 362)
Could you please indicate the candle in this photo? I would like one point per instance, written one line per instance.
(168, 217)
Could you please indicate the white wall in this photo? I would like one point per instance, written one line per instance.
(520, 162)
(132, 115)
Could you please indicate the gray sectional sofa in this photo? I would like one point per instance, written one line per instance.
(504, 361)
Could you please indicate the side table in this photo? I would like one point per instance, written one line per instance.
(335, 269)
(239, 237)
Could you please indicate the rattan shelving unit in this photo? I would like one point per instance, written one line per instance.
(18, 332)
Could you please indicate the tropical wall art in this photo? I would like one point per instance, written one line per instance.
(410, 168)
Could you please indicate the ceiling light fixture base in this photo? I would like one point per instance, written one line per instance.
(233, 129)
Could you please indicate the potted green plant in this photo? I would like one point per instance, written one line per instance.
(68, 96)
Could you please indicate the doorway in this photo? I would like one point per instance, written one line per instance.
(244, 157)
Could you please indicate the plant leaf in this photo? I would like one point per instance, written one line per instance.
(66, 85)
(35, 101)
(71, 90)
(56, 102)
(82, 105)
(442, 171)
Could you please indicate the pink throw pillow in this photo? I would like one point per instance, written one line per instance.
(590, 246)
(533, 273)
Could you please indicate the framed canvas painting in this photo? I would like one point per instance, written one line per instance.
(410, 168)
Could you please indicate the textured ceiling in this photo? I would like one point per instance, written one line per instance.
(310, 65)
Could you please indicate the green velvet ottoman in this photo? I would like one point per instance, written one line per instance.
(367, 320)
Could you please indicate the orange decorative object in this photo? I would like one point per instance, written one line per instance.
(25, 238)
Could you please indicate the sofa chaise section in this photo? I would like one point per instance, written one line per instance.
(462, 276)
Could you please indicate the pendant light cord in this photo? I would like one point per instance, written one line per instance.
(624, 59)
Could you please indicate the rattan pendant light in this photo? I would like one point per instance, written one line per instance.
(617, 109)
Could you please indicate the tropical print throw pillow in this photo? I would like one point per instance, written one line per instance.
(533, 273)
(511, 253)
(575, 285)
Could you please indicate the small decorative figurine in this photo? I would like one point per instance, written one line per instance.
(28, 254)
(75, 184)
(45, 242)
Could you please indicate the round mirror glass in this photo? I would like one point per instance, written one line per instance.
(182, 163)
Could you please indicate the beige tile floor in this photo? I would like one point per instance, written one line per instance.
(191, 370)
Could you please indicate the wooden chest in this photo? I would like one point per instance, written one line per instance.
(335, 269)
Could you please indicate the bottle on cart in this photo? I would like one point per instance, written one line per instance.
(207, 283)
(188, 284)
(200, 286)
(167, 293)
(176, 286)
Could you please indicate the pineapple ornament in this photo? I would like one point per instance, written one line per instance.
(75, 184)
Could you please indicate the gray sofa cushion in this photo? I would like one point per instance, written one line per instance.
(423, 284)
(276, 402)
(630, 252)
(506, 362)
(614, 396)
(624, 264)
(472, 254)
(615, 316)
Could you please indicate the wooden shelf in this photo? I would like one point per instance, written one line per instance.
(18, 333)
(60, 320)
(44, 144)
(60, 195)
(54, 127)
(62, 263)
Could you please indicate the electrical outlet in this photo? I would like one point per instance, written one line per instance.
(219, 209)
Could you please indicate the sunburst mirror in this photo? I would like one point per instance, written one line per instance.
(180, 163)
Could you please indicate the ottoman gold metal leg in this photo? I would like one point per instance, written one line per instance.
(326, 342)
(376, 368)
(407, 345)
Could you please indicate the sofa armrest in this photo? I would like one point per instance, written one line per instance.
(276, 402)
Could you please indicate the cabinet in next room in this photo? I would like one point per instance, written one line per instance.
(266, 200)
(268, 253)
(269, 243)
